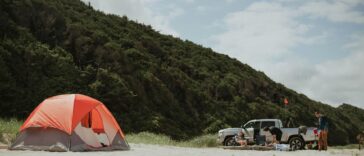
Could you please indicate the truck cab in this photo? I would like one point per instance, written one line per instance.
(255, 127)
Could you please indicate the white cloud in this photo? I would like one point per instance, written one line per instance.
(357, 43)
(139, 10)
(336, 11)
(334, 82)
(264, 36)
(263, 31)
(340, 80)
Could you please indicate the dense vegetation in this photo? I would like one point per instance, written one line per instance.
(149, 81)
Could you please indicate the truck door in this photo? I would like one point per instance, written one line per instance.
(250, 130)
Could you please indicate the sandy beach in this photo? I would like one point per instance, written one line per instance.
(156, 150)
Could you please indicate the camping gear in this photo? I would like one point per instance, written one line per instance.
(260, 140)
(302, 129)
(70, 122)
(282, 147)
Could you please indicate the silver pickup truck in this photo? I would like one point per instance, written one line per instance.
(296, 137)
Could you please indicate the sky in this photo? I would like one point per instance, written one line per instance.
(315, 47)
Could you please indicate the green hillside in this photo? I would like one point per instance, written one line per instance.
(149, 81)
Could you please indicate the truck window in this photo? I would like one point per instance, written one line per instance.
(268, 124)
(249, 125)
(254, 125)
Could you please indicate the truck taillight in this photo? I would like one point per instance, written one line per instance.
(315, 131)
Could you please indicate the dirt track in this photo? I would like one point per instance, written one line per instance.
(155, 150)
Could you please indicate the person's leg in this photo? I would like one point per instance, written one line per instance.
(279, 137)
(325, 140)
(242, 142)
(274, 140)
(320, 141)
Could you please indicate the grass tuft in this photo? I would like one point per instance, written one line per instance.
(8, 129)
(208, 140)
(150, 138)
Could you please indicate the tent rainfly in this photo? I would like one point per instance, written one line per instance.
(70, 122)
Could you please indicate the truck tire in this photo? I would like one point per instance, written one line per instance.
(230, 141)
(296, 143)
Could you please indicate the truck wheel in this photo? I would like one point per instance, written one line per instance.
(230, 141)
(296, 143)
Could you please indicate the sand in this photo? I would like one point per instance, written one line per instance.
(155, 150)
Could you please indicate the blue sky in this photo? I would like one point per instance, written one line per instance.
(315, 47)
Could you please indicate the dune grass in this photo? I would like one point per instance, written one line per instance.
(8, 129)
(207, 140)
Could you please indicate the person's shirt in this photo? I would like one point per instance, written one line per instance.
(323, 123)
(274, 130)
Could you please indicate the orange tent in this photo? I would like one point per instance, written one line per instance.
(80, 122)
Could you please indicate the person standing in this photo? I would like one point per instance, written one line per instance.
(323, 127)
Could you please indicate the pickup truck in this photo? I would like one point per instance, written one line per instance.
(296, 137)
